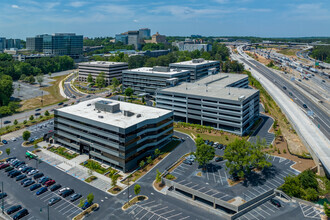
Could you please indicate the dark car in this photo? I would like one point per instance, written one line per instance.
(54, 200)
(27, 169)
(284, 87)
(323, 80)
(206, 142)
(21, 214)
(304, 105)
(38, 175)
(275, 202)
(37, 114)
(44, 180)
(187, 162)
(20, 177)
(218, 159)
(55, 187)
(35, 186)
(8, 169)
(65, 105)
(3, 166)
(49, 182)
(23, 181)
(6, 122)
(67, 193)
(4, 141)
(41, 191)
(12, 172)
(61, 103)
(15, 174)
(3, 195)
(19, 164)
(38, 109)
(16, 162)
(211, 143)
(75, 196)
(28, 183)
(13, 209)
(86, 205)
(10, 158)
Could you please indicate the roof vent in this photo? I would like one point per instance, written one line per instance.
(138, 115)
(100, 116)
(89, 104)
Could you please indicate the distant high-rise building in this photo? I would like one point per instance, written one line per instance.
(13, 43)
(57, 44)
(144, 33)
(134, 39)
(191, 45)
(2, 43)
(122, 38)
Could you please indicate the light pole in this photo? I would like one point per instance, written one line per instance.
(128, 191)
(47, 210)
(3, 204)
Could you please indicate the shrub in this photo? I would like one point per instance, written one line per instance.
(284, 151)
(278, 151)
(170, 177)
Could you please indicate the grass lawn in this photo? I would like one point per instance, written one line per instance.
(90, 179)
(225, 138)
(95, 166)
(53, 97)
(62, 151)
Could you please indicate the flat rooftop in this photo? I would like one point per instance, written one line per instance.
(102, 63)
(215, 86)
(171, 71)
(87, 109)
(195, 62)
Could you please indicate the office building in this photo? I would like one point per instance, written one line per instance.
(134, 39)
(110, 69)
(149, 79)
(57, 44)
(34, 43)
(122, 38)
(192, 46)
(2, 43)
(13, 43)
(156, 39)
(222, 101)
(198, 67)
(120, 134)
(144, 33)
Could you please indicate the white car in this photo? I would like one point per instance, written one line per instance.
(14, 139)
(62, 190)
(33, 172)
(22, 167)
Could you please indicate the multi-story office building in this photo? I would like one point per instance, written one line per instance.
(34, 43)
(110, 69)
(144, 33)
(148, 79)
(222, 101)
(58, 44)
(2, 43)
(198, 67)
(117, 133)
(13, 43)
(122, 38)
(134, 39)
(157, 38)
(190, 46)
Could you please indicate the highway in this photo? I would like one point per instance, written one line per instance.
(317, 141)
(303, 54)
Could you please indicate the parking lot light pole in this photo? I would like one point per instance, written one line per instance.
(47, 210)
(3, 205)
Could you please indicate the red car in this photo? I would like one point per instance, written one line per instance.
(4, 165)
(49, 182)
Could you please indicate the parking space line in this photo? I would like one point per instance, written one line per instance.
(220, 177)
(249, 213)
(177, 173)
(207, 174)
(161, 209)
(146, 203)
(167, 212)
(263, 210)
(267, 207)
(273, 158)
(184, 218)
(174, 215)
(74, 212)
(60, 205)
(183, 167)
(272, 184)
(272, 205)
(145, 215)
(151, 216)
(276, 181)
(154, 206)
(213, 174)
(258, 213)
(68, 210)
(252, 193)
(139, 212)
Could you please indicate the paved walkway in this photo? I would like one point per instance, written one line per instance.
(74, 168)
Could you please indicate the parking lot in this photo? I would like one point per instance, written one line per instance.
(153, 210)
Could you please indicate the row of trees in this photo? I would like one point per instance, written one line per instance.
(44, 65)
(321, 53)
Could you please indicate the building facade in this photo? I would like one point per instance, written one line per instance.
(117, 133)
(144, 33)
(110, 69)
(190, 46)
(198, 67)
(149, 79)
(2, 43)
(157, 38)
(34, 43)
(133, 38)
(222, 101)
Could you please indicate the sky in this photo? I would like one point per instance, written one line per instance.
(98, 18)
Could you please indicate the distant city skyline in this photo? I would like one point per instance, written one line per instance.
(96, 18)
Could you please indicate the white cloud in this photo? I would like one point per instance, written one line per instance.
(77, 4)
(15, 6)
(135, 21)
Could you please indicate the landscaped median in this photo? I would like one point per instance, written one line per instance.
(62, 151)
(133, 201)
(90, 179)
(88, 211)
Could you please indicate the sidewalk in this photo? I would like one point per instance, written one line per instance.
(74, 168)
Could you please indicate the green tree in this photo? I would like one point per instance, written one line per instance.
(6, 88)
(25, 122)
(308, 180)
(115, 82)
(26, 135)
(81, 203)
(90, 198)
(8, 151)
(326, 209)
(149, 160)
(47, 113)
(311, 195)
(129, 91)
(90, 78)
(114, 179)
(31, 79)
(157, 152)
(204, 154)
(40, 78)
(137, 189)
(15, 122)
(31, 118)
(258, 155)
(141, 164)
(142, 100)
(158, 176)
(100, 80)
(292, 186)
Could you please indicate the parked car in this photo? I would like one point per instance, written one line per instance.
(37, 176)
(10, 172)
(28, 183)
(19, 164)
(32, 172)
(27, 170)
(45, 180)
(4, 142)
(304, 105)
(3, 195)
(13, 209)
(86, 205)
(20, 177)
(38, 109)
(67, 193)
(54, 200)
(3, 166)
(55, 187)
(21, 214)
(37, 114)
(10, 158)
(211, 143)
(63, 190)
(49, 182)
(275, 202)
(75, 196)
(41, 190)
(35, 186)
(9, 168)
(15, 174)
(206, 142)
(61, 103)
(218, 159)
(24, 180)
(188, 162)
(6, 122)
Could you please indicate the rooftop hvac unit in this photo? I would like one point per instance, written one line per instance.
(89, 104)
(241, 98)
(138, 115)
(100, 116)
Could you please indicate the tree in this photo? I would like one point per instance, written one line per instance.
(291, 186)
(15, 122)
(6, 88)
(8, 151)
(115, 82)
(137, 189)
(142, 100)
(149, 160)
(308, 180)
(311, 194)
(204, 153)
(90, 198)
(90, 78)
(50, 74)
(26, 135)
(326, 209)
(31, 118)
(129, 91)
(47, 113)
(31, 79)
(40, 78)
(81, 203)
(158, 176)
(24, 122)
(90, 172)
(100, 80)
(157, 152)
(114, 179)
(141, 164)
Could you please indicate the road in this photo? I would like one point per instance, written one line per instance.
(316, 139)
(303, 54)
